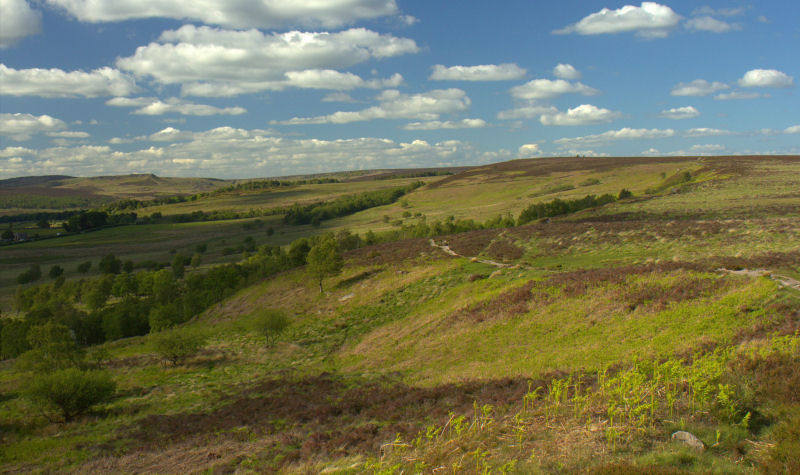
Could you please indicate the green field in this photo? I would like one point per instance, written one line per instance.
(578, 343)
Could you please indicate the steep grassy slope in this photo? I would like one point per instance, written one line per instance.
(573, 345)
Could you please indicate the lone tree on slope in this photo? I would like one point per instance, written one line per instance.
(324, 260)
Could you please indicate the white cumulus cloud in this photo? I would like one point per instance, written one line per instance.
(395, 105)
(725, 12)
(267, 14)
(566, 71)
(17, 20)
(707, 23)
(738, 95)
(795, 129)
(584, 114)
(154, 106)
(538, 89)
(69, 134)
(706, 148)
(614, 135)
(766, 78)
(440, 125)
(650, 20)
(677, 113)
(698, 87)
(59, 83)
(226, 151)
(529, 150)
(330, 79)
(21, 127)
(530, 111)
(706, 132)
(483, 72)
(213, 62)
(338, 97)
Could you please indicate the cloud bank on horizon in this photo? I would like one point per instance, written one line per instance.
(276, 87)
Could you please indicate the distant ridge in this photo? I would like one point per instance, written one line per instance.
(26, 181)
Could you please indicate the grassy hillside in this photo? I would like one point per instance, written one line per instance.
(574, 344)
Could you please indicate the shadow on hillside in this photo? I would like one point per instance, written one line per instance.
(328, 414)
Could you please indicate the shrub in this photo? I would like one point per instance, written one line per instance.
(69, 392)
(271, 323)
(84, 267)
(624, 193)
(176, 346)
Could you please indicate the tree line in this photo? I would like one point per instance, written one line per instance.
(133, 203)
(345, 205)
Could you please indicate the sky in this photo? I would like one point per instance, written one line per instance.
(265, 88)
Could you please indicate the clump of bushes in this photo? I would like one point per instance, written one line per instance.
(62, 387)
(68, 393)
(558, 207)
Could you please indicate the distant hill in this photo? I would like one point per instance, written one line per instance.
(59, 192)
(25, 181)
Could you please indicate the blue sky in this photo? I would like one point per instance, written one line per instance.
(258, 88)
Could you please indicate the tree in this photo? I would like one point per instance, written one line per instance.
(178, 267)
(53, 347)
(110, 265)
(298, 251)
(69, 392)
(8, 234)
(56, 271)
(32, 274)
(84, 267)
(43, 223)
(325, 260)
(177, 345)
(127, 266)
(271, 323)
(98, 291)
(12, 338)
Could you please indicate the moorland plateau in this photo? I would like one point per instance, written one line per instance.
(558, 315)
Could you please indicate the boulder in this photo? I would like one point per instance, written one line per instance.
(689, 439)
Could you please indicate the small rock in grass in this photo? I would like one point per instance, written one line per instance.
(346, 297)
(689, 439)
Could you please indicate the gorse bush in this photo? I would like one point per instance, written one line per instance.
(68, 393)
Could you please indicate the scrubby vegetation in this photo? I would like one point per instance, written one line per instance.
(508, 324)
